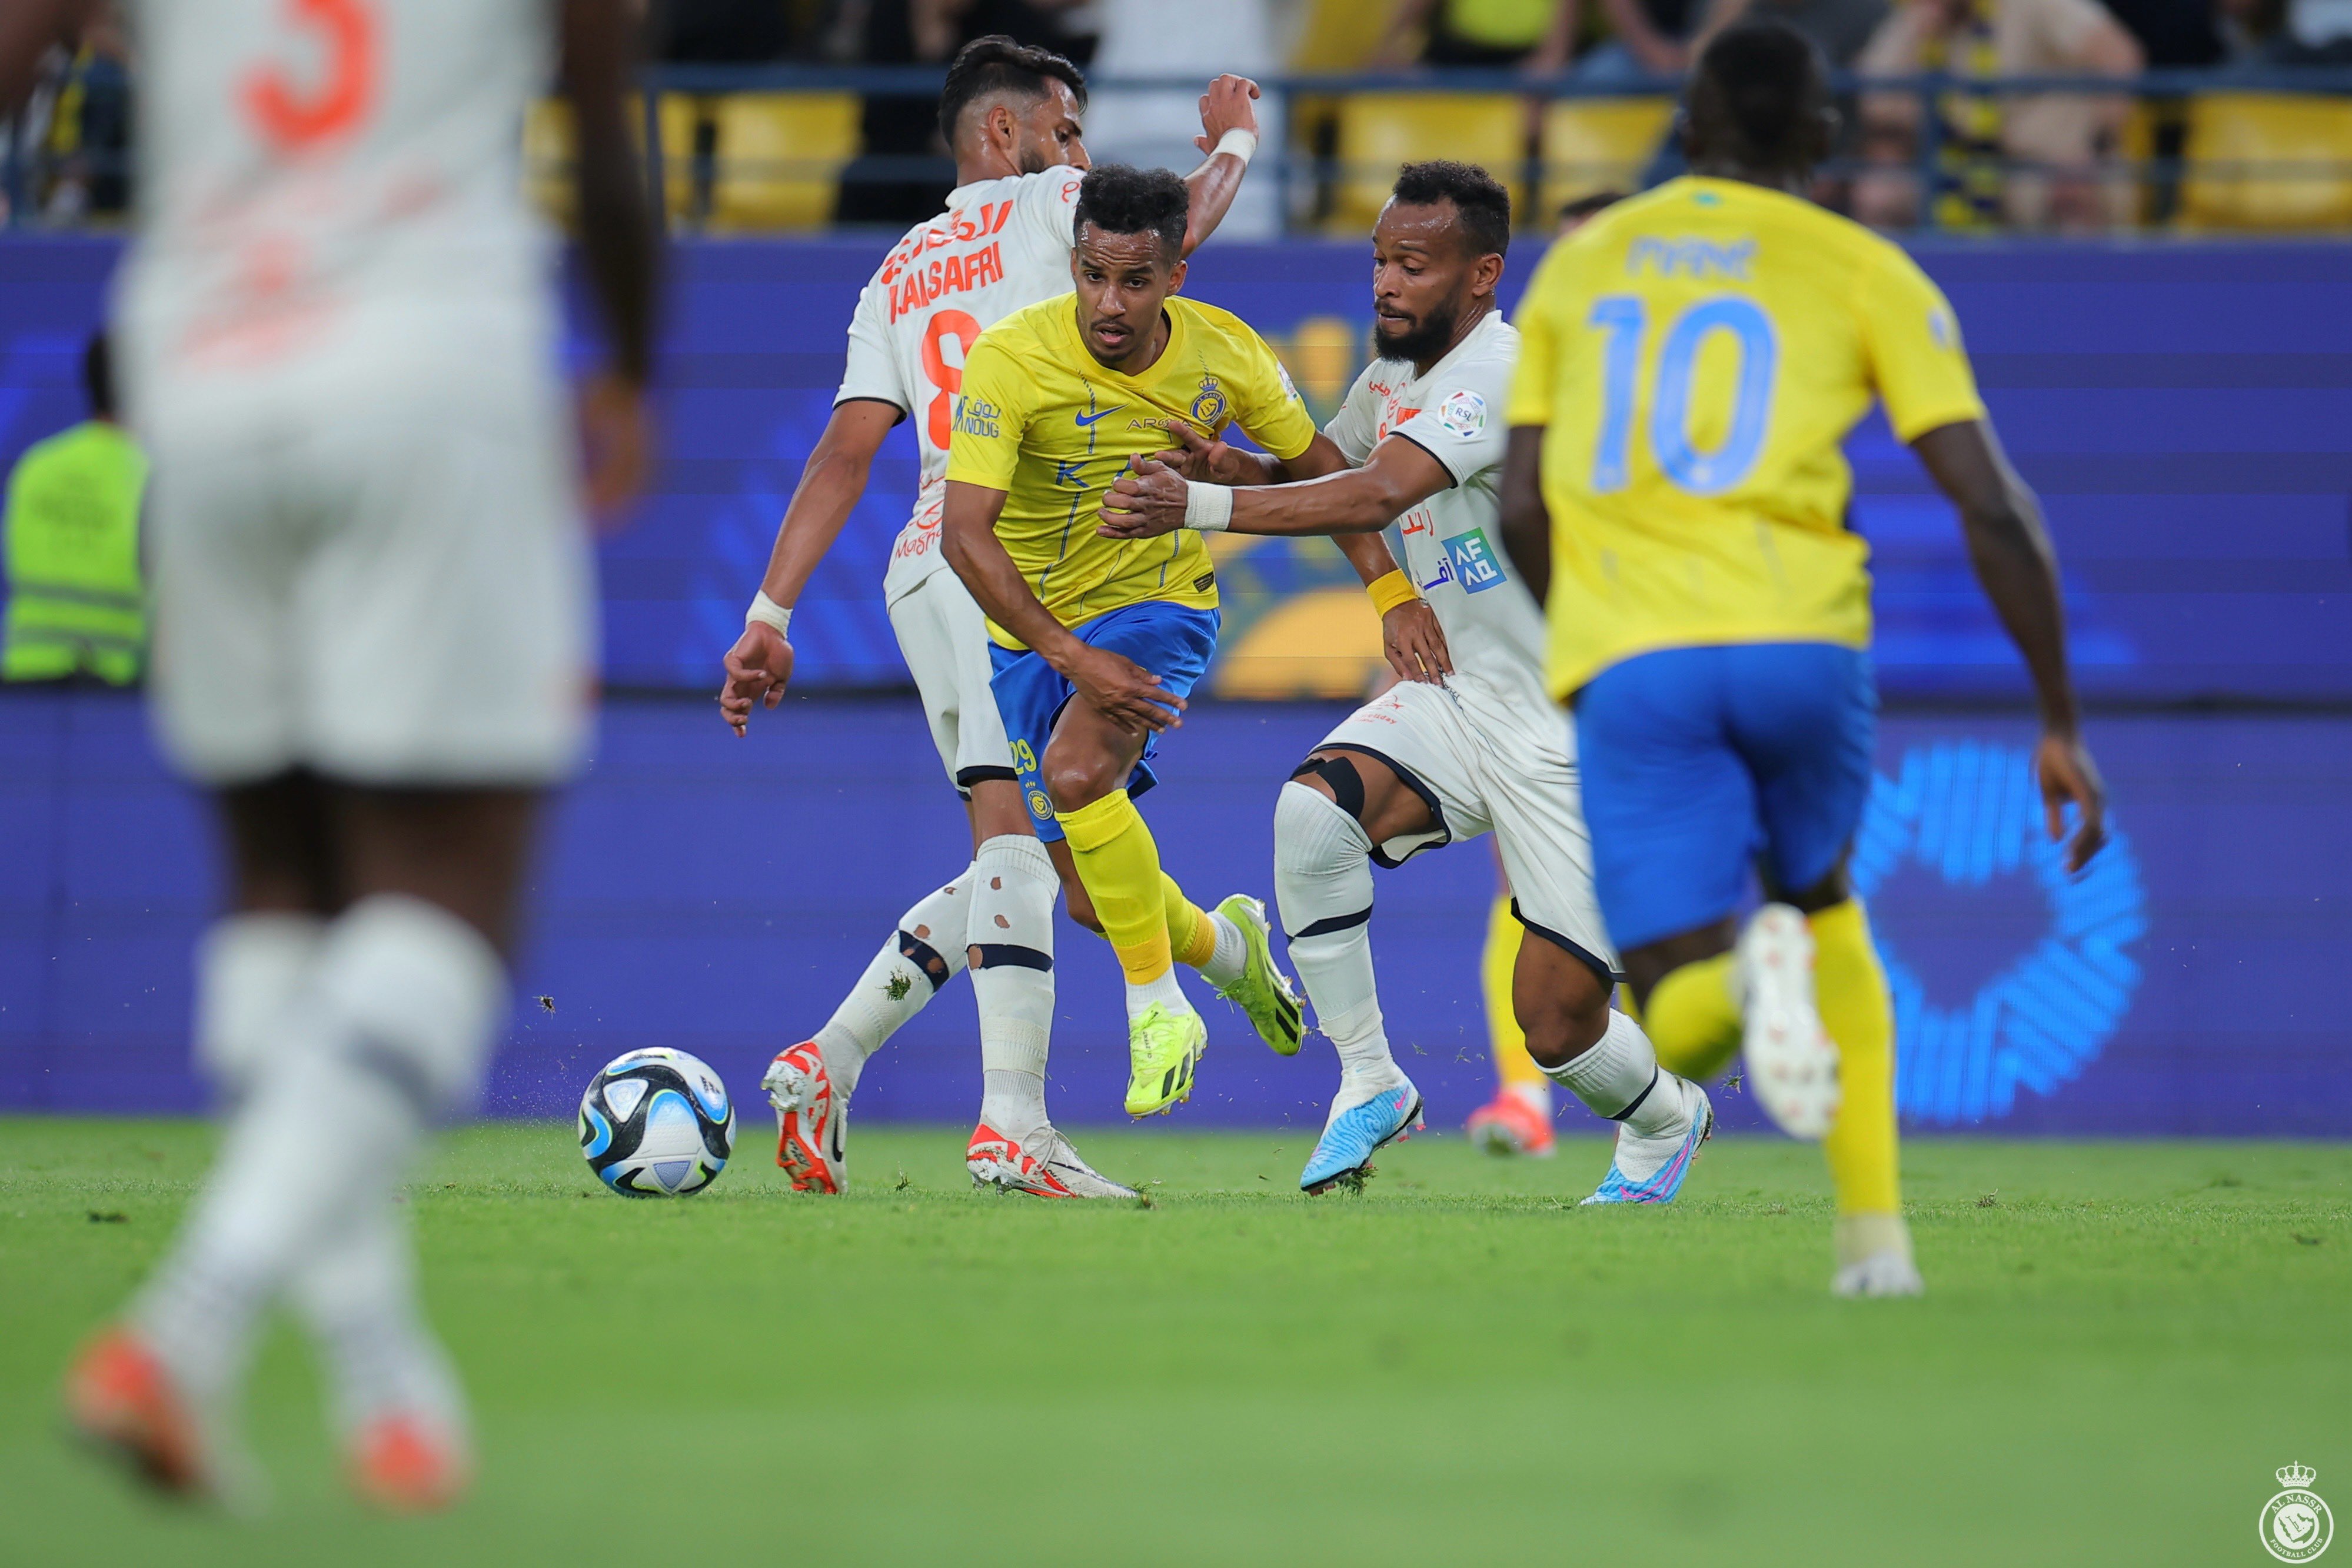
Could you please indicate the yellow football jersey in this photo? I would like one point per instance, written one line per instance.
(1040, 419)
(1698, 353)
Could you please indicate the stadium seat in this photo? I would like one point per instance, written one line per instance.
(778, 157)
(548, 148)
(1599, 144)
(1379, 131)
(2268, 161)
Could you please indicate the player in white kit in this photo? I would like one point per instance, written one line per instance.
(1012, 115)
(374, 638)
(1427, 765)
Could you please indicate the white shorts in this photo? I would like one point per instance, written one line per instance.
(392, 588)
(944, 638)
(1482, 770)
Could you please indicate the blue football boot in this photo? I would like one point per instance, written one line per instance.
(1664, 1161)
(1352, 1135)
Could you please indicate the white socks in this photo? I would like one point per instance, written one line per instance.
(1163, 990)
(391, 1028)
(923, 955)
(1620, 1080)
(1323, 886)
(356, 1292)
(1231, 958)
(248, 968)
(1011, 958)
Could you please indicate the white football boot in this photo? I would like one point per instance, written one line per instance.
(1793, 1063)
(1043, 1164)
(812, 1119)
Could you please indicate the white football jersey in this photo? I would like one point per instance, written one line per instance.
(1001, 245)
(333, 176)
(1451, 544)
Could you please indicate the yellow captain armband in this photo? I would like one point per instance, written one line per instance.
(1391, 591)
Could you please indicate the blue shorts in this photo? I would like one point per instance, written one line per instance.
(1695, 760)
(1174, 642)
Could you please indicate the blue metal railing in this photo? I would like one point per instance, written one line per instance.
(20, 175)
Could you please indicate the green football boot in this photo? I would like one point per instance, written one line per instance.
(1163, 1046)
(1264, 992)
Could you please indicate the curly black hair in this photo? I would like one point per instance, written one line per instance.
(997, 64)
(1120, 200)
(1481, 200)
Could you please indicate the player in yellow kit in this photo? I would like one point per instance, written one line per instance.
(1689, 363)
(1056, 399)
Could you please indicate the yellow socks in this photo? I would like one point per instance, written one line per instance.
(1692, 1019)
(1851, 990)
(1120, 865)
(1514, 1068)
(1150, 923)
(1192, 934)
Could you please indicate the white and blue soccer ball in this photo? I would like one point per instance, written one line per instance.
(657, 1124)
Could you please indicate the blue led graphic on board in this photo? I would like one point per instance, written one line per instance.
(1966, 814)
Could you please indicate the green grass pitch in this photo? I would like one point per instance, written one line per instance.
(2121, 1342)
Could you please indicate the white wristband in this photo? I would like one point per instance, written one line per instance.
(1208, 508)
(768, 612)
(1242, 144)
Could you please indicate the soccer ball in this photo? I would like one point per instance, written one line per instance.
(657, 1124)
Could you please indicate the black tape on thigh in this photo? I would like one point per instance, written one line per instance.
(1346, 784)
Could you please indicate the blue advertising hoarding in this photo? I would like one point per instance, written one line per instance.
(717, 895)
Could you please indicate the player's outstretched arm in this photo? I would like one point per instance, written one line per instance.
(759, 665)
(2010, 551)
(1116, 687)
(1527, 522)
(1229, 105)
(27, 28)
(1320, 494)
(616, 233)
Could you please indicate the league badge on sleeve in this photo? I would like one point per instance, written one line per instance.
(1464, 413)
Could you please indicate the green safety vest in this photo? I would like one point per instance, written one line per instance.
(75, 599)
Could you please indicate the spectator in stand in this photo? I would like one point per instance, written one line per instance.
(1536, 36)
(1160, 129)
(2041, 160)
(2314, 33)
(905, 173)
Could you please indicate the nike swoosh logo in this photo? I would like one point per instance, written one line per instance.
(1086, 419)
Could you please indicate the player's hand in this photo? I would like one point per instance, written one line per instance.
(1230, 104)
(1415, 643)
(1124, 692)
(1210, 462)
(2063, 766)
(759, 667)
(1145, 502)
(616, 442)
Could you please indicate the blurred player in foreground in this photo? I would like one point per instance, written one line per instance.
(1012, 115)
(373, 642)
(1690, 363)
(1056, 399)
(1517, 1120)
(1422, 435)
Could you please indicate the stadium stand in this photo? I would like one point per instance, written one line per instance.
(2268, 161)
(1379, 131)
(777, 158)
(1599, 144)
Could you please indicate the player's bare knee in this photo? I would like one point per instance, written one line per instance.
(1072, 782)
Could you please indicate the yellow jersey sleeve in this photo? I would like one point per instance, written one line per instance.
(1269, 407)
(992, 412)
(1911, 342)
(1538, 368)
